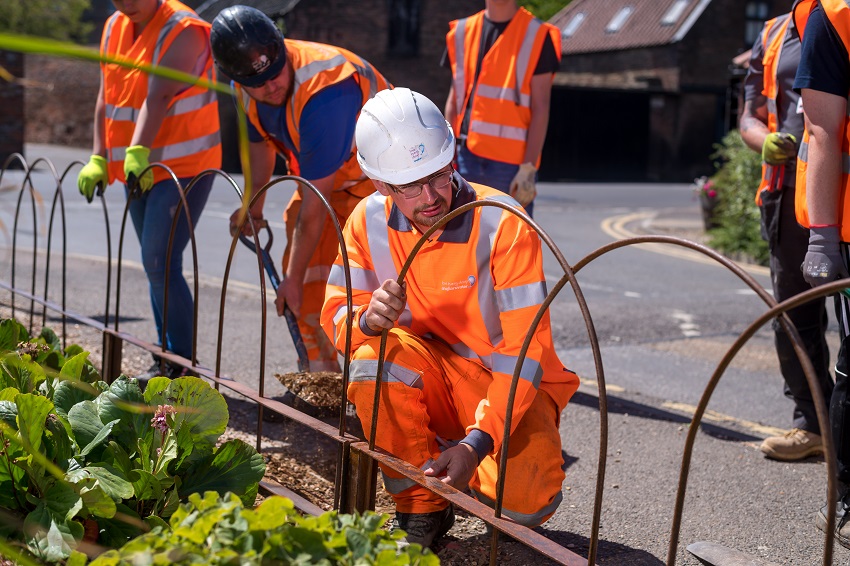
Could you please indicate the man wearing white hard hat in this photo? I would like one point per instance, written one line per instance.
(455, 327)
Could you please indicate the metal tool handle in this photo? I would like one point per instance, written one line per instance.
(288, 315)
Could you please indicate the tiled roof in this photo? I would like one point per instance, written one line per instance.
(642, 28)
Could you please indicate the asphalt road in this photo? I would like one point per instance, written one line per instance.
(663, 319)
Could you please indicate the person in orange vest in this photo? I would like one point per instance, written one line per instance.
(772, 123)
(142, 118)
(302, 100)
(456, 326)
(823, 200)
(503, 61)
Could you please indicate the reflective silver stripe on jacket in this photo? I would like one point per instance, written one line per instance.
(511, 94)
(530, 371)
(460, 74)
(803, 155)
(181, 106)
(361, 279)
(503, 93)
(107, 34)
(513, 298)
(498, 130)
(489, 220)
(307, 72)
(175, 150)
(377, 233)
(175, 19)
(366, 71)
(340, 314)
(367, 370)
(524, 55)
(527, 519)
(397, 485)
(771, 36)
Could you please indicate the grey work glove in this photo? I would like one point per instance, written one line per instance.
(823, 262)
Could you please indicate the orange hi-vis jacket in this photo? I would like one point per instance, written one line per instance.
(838, 13)
(318, 66)
(477, 289)
(188, 140)
(501, 107)
(773, 39)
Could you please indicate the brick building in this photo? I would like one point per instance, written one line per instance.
(646, 87)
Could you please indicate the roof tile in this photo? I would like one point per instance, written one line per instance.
(642, 28)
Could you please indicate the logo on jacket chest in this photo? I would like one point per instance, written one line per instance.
(467, 283)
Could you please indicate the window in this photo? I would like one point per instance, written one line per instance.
(756, 14)
(572, 27)
(619, 19)
(403, 29)
(674, 12)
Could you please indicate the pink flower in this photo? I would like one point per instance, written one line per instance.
(160, 418)
(712, 193)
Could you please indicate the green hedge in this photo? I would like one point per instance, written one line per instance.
(737, 218)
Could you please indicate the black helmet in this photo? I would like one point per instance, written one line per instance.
(247, 46)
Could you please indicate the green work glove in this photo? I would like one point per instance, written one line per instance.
(92, 175)
(778, 148)
(136, 161)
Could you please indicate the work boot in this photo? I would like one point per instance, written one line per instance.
(795, 444)
(424, 528)
(842, 520)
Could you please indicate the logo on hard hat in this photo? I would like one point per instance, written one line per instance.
(471, 280)
(259, 65)
(418, 152)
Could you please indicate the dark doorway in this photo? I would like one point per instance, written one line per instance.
(596, 135)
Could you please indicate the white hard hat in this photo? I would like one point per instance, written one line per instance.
(402, 136)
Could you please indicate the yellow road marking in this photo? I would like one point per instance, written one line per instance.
(615, 227)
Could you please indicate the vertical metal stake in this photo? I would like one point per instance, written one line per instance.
(112, 351)
(359, 493)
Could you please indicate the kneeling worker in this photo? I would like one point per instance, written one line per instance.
(456, 326)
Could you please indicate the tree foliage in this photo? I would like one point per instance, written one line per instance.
(543, 9)
(54, 19)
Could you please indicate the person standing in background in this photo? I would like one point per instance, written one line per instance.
(503, 61)
(302, 100)
(823, 206)
(772, 124)
(141, 119)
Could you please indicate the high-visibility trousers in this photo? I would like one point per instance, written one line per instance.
(319, 347)
(429, 391)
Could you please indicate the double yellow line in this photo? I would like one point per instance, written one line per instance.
(615, 227)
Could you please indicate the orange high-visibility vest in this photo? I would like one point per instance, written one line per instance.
(188, 140)
(318, 66)
(501, 104)
(773, 38)
(477, 288)
(838, 13)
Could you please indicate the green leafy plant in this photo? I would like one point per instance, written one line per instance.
(738, 220)
(75, 450)
(214, 529)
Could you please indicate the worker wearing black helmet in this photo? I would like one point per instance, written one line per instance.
(302, 100)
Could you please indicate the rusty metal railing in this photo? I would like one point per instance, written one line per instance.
(355, 472)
